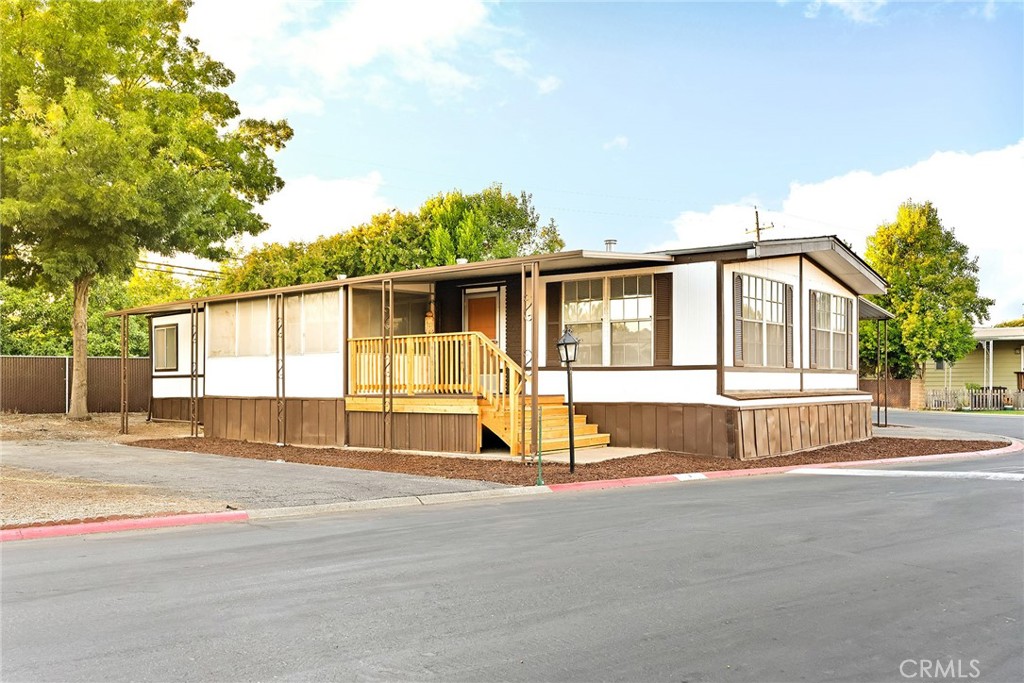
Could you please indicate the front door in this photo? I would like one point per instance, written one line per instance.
(482, 315)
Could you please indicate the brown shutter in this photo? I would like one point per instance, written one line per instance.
(737, 322)
(554, 321)
(850, 347)
(789, 326)
(663, 319)
(812, 338)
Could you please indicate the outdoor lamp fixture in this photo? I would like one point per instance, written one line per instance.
(567, 347)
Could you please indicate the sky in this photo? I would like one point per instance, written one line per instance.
(656, 124)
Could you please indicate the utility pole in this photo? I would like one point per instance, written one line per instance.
(757, 226)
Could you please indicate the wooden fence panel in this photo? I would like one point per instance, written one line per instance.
(40, 384)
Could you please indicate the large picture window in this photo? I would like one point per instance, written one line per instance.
(831, 331)
(763, 322)
(165, 347)
(613, 318)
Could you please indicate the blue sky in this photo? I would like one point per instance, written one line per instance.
(655, 124)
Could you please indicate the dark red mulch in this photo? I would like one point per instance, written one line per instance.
(525, 475)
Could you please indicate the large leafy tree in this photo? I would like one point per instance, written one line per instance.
(118, 138)
(485, 225)
(37, 321)
(933, 289)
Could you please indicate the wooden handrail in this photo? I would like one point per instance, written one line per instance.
(466, 363)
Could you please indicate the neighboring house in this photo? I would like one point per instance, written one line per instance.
(997, 362)
(739, 351)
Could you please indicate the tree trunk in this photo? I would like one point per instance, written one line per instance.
(79, 408)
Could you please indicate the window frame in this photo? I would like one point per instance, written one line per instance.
(763, 301)
(606, 322)
(844, 311)
(158, 332)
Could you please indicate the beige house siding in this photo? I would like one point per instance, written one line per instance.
(970, 369)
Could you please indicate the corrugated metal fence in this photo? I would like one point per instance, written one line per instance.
(42, 384)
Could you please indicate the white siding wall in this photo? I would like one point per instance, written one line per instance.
(320, 375)
(641, 386)
(694, 314)
(167, 383)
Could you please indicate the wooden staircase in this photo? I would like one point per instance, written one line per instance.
(466, 365)
(554, 426)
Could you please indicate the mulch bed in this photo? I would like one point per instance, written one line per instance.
(516, 473)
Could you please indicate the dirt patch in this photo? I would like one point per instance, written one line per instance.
(33, 498)
(516, 473)
(102, 427)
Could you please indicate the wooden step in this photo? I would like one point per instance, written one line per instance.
(581, 442)
(562, 431)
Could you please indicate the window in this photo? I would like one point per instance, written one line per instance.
(408, 317)
(764, 315)
(583, 311)
(631, 306)
(613, 318)
(940, 365)
(831, 331)
(165, 347)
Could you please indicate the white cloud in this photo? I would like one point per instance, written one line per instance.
(618, 142)
(976, 194)
(285, 102)
(415, 36)
(508, 59)
(242, 37)
(858, 11)
(310, 207)
(548, 84)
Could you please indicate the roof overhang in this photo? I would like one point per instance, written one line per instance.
(999, 333)
(872, 311)
(563, 261)
(830, 254)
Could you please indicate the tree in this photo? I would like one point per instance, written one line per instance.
(37, 322)
(449, 226)
(1016, 322)
(933, 288)
(118, 139)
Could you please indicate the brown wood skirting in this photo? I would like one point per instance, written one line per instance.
(174, 409)
(309, 421)
(729, 431)
(452, 433)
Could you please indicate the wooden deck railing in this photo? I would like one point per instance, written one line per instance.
(462, 363)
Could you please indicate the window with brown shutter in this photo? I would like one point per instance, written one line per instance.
(789, 326)
(663, 319)
(851, 328)
(553, 328)
(737, 323)
(812, 316)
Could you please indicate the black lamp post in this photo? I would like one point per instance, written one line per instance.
(567, 346)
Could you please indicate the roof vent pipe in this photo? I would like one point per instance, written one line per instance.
(609, 245)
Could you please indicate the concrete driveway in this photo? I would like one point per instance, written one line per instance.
(247, 484)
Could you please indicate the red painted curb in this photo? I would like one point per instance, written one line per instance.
(120, 525)
(613, 483)
(1013, 447)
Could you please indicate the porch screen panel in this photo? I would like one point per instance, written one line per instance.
(320, 322)
(582, 310)
(222, 329)
(292, 325)
(253, 320)
(631, 310)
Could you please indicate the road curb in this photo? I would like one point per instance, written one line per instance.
(55, 530)
(28, 533)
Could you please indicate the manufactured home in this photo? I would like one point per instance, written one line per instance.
(737, 351)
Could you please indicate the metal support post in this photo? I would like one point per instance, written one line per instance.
(124, 374)
(280, 310)
(193, 372)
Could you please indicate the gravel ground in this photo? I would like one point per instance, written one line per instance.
(515, 473)
(30, 497)
(101, 427)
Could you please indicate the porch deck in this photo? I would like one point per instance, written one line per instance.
(463, 373)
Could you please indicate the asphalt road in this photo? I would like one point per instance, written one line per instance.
(246, 484)
(1003, 425)
(781, 578)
